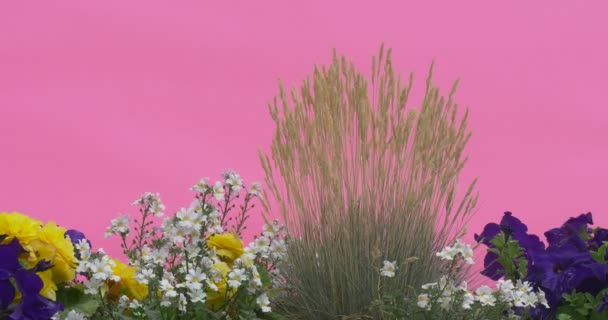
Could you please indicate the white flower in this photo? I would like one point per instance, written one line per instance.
(467, 254)
(523, 286)
(194, 278)
(423, 301)
(236, 277)
(123, 301)
(134, 304)
(73, 315)
(159, 256)
(197, 295)
(168, 288)
(278, 249)
(429, 285)
(183, 303)
(120, 224)
(202, 186)
(188, 219)
(207, 262)
(235, 182)
(248, 258)
(255, 189)
(271, 229)
(448, 253)
(505, 285)
(84, 249)
(388, 269)
(109, 232)
(218, 191)
(485, 296)
(102, 268)
(467, 300)
(445, 301)
(263, 302)
(144, 275)
(216, 275)
(152, 203)
(92, 286)
(542, 299)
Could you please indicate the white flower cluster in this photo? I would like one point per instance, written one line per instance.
(271, 244)
(100, 269)
(72, 315)
(118, 225)
(178, 261)
(151, 203)
(447, 294)
(520, 294)
(459, 248)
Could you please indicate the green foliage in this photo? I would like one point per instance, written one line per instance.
(600, 254)
(582, 306)
(510, 256)
(73, 298)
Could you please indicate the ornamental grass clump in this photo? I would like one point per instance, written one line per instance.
(359, 179)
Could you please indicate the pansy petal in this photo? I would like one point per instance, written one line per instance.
(7, 294)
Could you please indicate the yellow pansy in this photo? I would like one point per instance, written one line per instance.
(215, 299)
(227, 246)
(50, 237)
(127, 284)
(49, 288)
(18, 225)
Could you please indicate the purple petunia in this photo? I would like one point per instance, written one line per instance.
(515, 229)
(566, 265)
(574, 231)
(31, 306)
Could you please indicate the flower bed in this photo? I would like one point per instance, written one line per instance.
(193, 265)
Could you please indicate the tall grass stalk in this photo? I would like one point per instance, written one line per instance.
(360, 178)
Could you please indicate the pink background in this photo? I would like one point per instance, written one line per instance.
(103, 100)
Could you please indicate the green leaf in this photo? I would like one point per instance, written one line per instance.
(73, 298)
(600, 254)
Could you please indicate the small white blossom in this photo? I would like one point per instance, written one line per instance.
(73, 315)
(263, 302)
(448, 253)
(467, 300)
(236, 277)
(195, 278)
(202, 186)
(484, 296)
(218, 191)
(120, 224)
(255, 189)
(197, 295)
(388, 269)
(423, 301)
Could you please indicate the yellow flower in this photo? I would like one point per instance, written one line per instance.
(62, 257)
(18, 225)
(215, 299)
(127, 284)
(228, 246)
(49, 288)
